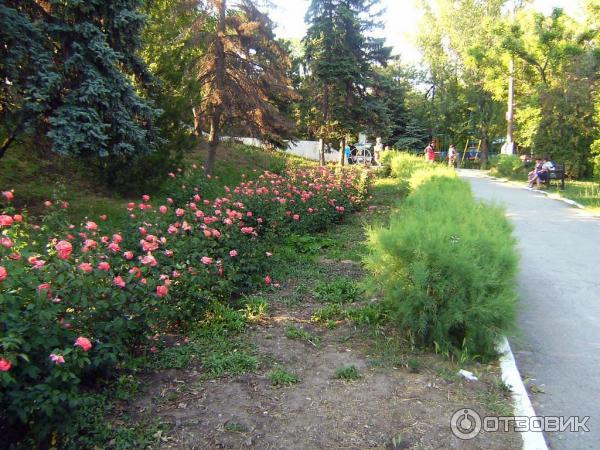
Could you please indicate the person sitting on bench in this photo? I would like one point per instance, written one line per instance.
(541, 174)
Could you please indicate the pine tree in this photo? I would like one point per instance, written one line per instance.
(71, 71)
(341, 57)
(242, 73)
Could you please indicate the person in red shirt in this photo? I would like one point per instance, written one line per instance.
(430, 153)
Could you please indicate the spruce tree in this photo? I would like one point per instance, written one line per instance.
(341, 57)
(71, 71)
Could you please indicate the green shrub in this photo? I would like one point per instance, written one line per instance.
(508, 166)
(447, 265)
(405, 164)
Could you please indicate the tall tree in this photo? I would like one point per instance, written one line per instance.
(70, 70)
(341, 57)
(242, 74)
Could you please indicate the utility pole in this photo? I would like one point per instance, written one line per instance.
(509, 146)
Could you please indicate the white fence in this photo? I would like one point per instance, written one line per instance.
(305, 149)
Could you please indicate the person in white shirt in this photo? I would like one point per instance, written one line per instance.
(452, 156)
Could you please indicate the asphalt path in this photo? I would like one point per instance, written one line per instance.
(558, 345)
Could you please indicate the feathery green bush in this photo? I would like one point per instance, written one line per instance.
(446, 264)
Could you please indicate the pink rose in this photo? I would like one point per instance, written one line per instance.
(91, 226)
(149, 260)
(296, 217)
(206, 260)
(114, 247)
(86, 267)
(6, 242)
(163, 209)
(268, 280)
(128, 256)
(84, 343)
(47, 203)
(146, 198)
(5, 221)
(162, 291)
(179, 212)
(104, 217)
(119, 282)
(64, 249)
(44, 288)
(170, 201)
(18, 218)
(57, 359)
(104, 266)
(3, 274)
(5, 365)
(8, 195)
(117, 238)
(233, 253)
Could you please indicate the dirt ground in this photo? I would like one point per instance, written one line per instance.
(388, 407)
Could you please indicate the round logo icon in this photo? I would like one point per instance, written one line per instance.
(466, 424)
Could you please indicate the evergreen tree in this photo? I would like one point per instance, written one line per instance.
(71, 71)
(341, 57)
(242, 73)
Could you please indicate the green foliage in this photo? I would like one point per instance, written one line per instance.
(341, 57)
(405, 164)
(507, 166)
(446, 265)
(348, 373)
(280, 377)
(340, 290)
(71, 67)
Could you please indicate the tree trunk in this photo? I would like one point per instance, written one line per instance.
(322, 152)
(484, 150)
(197, 123)
(217, 109)
(342, 152)
(10, 138)
(213, 143)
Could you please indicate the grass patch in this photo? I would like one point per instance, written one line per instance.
(328, 313)
(340, 291)
(496, 398)
(300, 334)
(234, 363)
(348, 373)
(280, 377)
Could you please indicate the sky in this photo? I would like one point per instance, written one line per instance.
(401, 21)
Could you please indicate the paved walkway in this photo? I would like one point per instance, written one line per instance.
(559, 342)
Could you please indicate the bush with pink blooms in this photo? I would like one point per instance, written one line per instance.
(77, 300)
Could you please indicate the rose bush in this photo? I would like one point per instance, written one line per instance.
(76, 301)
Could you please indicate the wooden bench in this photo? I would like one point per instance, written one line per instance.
(558, 175)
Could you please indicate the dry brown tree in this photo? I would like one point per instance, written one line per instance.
(243, 73)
